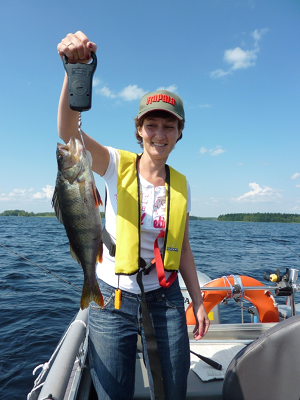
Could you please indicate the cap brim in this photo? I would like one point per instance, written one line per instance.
(159, 109)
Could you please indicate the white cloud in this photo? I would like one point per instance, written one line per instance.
(213, 152)
(218, 73)
(258, 194)
(217, 151)
(16, 194)
(131, 92)
(257, 35)
(295, 176)
(106, 92)
(296, 208)
(171, 88)
(27, 195)
(46, 193)
(96, 82)
(238, 58)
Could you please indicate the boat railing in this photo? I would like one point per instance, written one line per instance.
(228, 288)
(290, 285)
(286, 285)
(60, 365)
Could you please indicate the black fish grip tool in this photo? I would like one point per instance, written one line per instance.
(80, 82)
(208, 361)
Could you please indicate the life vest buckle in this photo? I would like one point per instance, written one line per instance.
(149, 267)
(146, 268)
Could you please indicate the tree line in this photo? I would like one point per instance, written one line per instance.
(22, 213)
(193, 218)
(261, 217)
(241, 217)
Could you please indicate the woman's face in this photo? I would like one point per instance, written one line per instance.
(159, 136)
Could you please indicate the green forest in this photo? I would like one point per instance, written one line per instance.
(22, 213)
(261, 217)
(241, 217)
(193, 218)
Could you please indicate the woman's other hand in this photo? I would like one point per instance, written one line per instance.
(202, 322)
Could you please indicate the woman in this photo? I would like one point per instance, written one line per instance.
(147, 214)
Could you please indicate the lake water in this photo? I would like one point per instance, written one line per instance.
(36, 307)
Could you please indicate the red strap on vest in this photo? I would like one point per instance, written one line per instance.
(160, 266)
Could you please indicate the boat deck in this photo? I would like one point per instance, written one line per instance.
(217, 334)
(76, 384)
(209, 390)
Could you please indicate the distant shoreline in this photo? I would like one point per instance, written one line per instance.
(260, 217)
(22, 213)
(239, 217)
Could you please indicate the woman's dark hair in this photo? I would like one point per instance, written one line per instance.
(155, 114)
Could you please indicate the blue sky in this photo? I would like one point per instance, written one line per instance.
(235, 63)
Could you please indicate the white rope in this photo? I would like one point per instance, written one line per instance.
(33, 390)
(44, 366)
(230, 285)
(272, 297)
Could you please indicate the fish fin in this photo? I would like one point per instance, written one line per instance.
(55, 205)
(97, 196)
(89, 156)
(100, 252)
(74, 255)
(91, 293)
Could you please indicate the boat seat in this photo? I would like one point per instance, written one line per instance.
(268, 368)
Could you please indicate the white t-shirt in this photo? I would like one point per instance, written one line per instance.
(153, 214)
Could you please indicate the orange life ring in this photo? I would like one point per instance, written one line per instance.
(262, 300)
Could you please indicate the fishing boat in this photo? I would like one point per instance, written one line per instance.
(253, 360)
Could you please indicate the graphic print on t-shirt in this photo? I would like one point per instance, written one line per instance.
(153, 207)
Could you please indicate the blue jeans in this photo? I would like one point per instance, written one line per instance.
(113, 342)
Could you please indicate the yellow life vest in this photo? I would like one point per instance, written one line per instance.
(129, 216)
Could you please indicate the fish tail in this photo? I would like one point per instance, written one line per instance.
(91, 293)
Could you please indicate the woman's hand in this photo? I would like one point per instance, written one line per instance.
(76, 47)
(190, 277)
(202, 322)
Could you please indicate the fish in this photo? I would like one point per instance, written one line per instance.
(76, 202)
